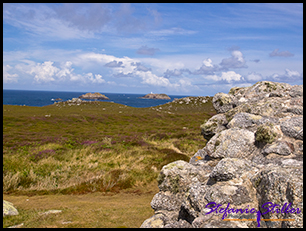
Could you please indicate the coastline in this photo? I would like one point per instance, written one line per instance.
(44, 98)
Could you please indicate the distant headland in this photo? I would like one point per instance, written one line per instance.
(93, 96)
(155, 96)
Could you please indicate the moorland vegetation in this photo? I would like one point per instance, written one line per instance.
(77, 148)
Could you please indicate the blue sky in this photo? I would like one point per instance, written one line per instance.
(177, 49)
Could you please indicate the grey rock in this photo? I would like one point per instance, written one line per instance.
(52, 211)
(156, 221)
(260, 90)
(201, 220)
(166, 201)
(254, 155)
(229, 168)
(250, 121)
(223, 102)
(296, 91)
(179, 224)
(280, 185)
(279, 147)
(199, 158)
(215, 124)
(234, 143)
(9, 209)
(16, 226)
(295, 110)
(293, 127)
(176, 176)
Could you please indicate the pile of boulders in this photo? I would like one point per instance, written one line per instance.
(249, 174)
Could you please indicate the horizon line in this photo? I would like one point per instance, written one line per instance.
(103, 92)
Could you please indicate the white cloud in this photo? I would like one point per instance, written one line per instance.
(280, 54)
(123, 65)
(140, 67)
(186, 85)
(229, 76)
(44, 72)
(207, 62)
(207, 68)
(47, 72)
(95, 78)
(152, 79)
(236, 61)
(292, 73)
(65, 71)
(114, 63)
(8, 78)
(289, 76)
(254, 77)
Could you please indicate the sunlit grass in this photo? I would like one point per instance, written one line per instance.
(96, 146)
(108, 154)
(94, 210)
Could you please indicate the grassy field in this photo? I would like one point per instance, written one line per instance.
(92, 210)
(96, 147)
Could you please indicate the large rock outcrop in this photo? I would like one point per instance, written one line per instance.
(251, 166)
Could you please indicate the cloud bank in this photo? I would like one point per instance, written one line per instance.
(109, 70)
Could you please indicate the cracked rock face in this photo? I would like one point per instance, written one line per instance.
(254, 156)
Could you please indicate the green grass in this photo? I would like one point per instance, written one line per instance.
(98, 162)
(94, 210)
(96, 146)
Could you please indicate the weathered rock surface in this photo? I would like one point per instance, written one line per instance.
(155, 96)
(9, 209)
(254, 156)
(96, 95)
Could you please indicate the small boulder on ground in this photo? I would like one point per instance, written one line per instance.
(9, 209)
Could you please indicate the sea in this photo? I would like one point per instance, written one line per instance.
(44, 98)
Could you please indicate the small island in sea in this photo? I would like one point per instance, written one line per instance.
(155, 96)
(93, 96)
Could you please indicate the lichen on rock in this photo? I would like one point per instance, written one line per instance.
(253, 155)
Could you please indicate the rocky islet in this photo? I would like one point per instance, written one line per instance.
(155, 96)
(96, 95)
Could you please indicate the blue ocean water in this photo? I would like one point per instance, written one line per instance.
(43, 98)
